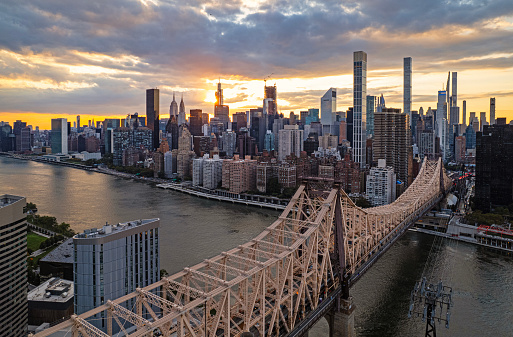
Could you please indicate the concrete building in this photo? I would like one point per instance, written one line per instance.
(290, 141)
(270, 92)
(287, 175)
(50, 301)
(113, 261)
(264, 172)
(381, 182)
(152, 115)
(212, 172)
(229, 142)
(59, 135)
(239, 175)
(169, 164)
(459, 149)
(359, 107)
(407, 70)
(482, 120)
(197, 171)
(426, 143)
(392, 140)
(328, 141)
(59, 262)
(13, 264)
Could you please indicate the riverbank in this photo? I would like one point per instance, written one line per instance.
(244, 199)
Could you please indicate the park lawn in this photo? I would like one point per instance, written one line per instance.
(34, 240)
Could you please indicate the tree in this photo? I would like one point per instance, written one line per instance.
(363, 202)
(273, 187)
(30, 207)
(163, 273)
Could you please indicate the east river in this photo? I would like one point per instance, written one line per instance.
(194, 229)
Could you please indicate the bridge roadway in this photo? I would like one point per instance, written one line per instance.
(279, 284)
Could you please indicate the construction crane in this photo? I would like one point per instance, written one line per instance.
(268, 77)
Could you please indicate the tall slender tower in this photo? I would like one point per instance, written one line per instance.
(359, 107)
(464, 114)
(407, 70)
(448, 90)
(454, 96)
(181, 112)
(173, 108)
(492, 111)
(152, 114)
(219, 94)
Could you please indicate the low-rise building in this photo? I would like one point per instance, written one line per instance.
(50, 301)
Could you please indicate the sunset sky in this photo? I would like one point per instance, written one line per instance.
(96, 58)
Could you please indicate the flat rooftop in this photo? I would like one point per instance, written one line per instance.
(53, 290)
(63, 253)
(109, 229)
(7, 199)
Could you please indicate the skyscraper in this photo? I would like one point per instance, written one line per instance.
(492, 111)
(270, 92)
(195, 122)
(221, 111)
(13, 240)
(328, 109)
(454, 96)
(359, 106)
(173, 108)
(372, 105)
(59, 135)
(290, 141)
(381, 184)
(407, 70)
(114, 261)
(181, 112)
(152, 114)
(464, 121)
(392, 140)
(482, 120)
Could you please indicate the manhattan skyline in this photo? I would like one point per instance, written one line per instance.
(96, 60)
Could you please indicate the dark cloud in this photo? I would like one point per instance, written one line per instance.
(181, 43)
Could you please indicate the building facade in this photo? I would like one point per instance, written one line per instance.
(13, 266)
(359, 107)
(407, 70)
(152, 115)
(59, 135)
(380, 187)
(114, 261)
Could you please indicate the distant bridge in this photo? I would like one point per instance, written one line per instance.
(295, 272)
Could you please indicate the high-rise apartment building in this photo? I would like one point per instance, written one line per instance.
(13, 264)
(494, 160)
(407, 70)
(328, 108)
(59, 135)
(113, 261)
(359, 107)
(290, 141)
(492, 111)
(152, 115)
(454, 96)
(212, 172)
(482, 120)
(380, 187)
(372, 108)
(392, 140)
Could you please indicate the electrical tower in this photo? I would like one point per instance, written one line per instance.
(432, 303)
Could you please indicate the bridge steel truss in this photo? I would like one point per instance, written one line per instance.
(270, 284)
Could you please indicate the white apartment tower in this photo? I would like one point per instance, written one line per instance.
(381, 184)
(290, 140)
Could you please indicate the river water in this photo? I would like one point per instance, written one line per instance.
(194, 229)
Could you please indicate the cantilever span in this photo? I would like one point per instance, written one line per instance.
(270, 285)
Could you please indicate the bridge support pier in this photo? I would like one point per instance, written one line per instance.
(341, 322)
